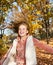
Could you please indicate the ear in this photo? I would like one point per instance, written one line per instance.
(27, 31)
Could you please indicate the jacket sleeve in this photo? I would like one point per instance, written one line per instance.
(11, 53)
(43, 46)
(13, 49)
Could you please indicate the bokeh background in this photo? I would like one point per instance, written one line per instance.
(38, 13)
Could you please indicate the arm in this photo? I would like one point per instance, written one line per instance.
(5, 56)
(40, 45)
(13, 49)
(11, 52)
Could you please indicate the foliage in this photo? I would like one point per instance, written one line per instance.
(35, 11)
(3, 47)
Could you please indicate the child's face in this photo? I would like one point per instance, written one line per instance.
(22, 30)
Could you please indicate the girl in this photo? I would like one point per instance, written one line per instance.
(23, 49)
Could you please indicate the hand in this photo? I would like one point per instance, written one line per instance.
(2, 60)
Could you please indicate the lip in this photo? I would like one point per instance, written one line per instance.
(21, 32)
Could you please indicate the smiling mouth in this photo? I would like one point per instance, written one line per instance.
(21, 33)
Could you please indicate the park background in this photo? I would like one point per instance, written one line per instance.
(38, 13)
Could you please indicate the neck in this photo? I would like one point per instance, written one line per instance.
(23, 37)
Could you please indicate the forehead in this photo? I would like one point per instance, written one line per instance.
(23, 26)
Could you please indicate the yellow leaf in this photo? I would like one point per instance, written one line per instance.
(26, 6)
(38, 12)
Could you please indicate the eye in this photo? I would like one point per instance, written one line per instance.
(23, 28)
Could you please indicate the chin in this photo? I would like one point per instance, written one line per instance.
(22, 35)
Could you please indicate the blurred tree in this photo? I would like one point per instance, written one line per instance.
(39, 13)
(33, 10)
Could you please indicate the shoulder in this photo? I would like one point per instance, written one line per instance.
(35, 40)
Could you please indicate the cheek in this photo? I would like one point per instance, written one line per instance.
(25, 30)
(18, 31)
